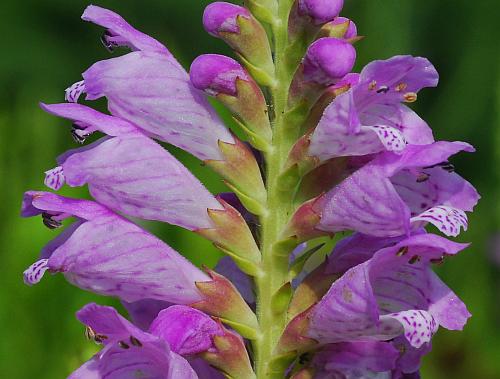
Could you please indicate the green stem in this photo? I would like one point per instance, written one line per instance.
(274, 261)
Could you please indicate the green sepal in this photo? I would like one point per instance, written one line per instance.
(222, 300)
(258, 142)
(284, 247)
(281, 299)
(260, 75)
(333, 30)
(249, 203)
(280, 363)
(248, 267)
(263, 9)
(244, 330)
(299, 263)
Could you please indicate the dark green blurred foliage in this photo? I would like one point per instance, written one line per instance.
(45, 47)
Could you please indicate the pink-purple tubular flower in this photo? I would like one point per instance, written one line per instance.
(331, 151)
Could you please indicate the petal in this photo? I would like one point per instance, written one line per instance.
(419, 326)
(371, 355)
(411, 357)
(89, 119)
(187, 330)
(112, 256)
(143, 312)
(204, 370)
(135, 175)
(365, 202)
(154, 92)
(120, 33)
(448, 220)
(110, 326)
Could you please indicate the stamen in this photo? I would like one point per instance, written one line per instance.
(55, 178)
(422, 177)
(410, 97)
(383, 89)
(73, 92)
(401, 87)
(78, 135)
(123, 345)
(402, 251)
(109, 45)
(34, 273)
(372, 85)
(50, 222)
(134, 341)
(414, 259)
(89, 333)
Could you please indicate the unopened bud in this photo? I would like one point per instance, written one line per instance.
(340, 27)
(320, 11)
(225, 79)
(327, 60)
(240, 30)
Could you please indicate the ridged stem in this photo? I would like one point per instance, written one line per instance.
(275, 261)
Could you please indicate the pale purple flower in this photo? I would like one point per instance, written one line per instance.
(370, 118)
(107, 254)
(221, 17)
(327, 60)
(395, 193)
(150, 89)
(129, 172)
(393, 293)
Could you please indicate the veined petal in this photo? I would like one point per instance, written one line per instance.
(154, 92)
(188, 331)
(399, 291)
(119, 32)
(135, 175)
(109, 255)
(396, 192)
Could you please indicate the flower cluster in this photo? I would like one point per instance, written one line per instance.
(326, 150)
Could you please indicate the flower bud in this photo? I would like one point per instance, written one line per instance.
(240, 30)
(320, 11)
(225, 79)
(216, 74)
(327, 60)
(340, 27)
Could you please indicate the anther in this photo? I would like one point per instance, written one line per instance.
(134, 341)
(49, 221)
(410, 97)
(414, 259)
(106, 42)
(422, 177)
(89, 333)
(402, 251)
(78, 137)
(372, 85)
(401, 87)
(123, 345)
(383, 89)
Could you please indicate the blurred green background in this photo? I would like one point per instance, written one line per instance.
(45, 47)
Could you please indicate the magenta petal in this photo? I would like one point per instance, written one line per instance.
(119, 32)
(109, 255)
(320, 11)
(154, 92)
(187, 330)
(221, 17)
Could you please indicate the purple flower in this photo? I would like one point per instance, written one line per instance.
(393, 293)
(327, 60)
(130, 352)
(352, 30)
(370, 118)
(150, 89)
(143, 312)
(320, 11)
(395, 193)
(129, 172)
(104, 253)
